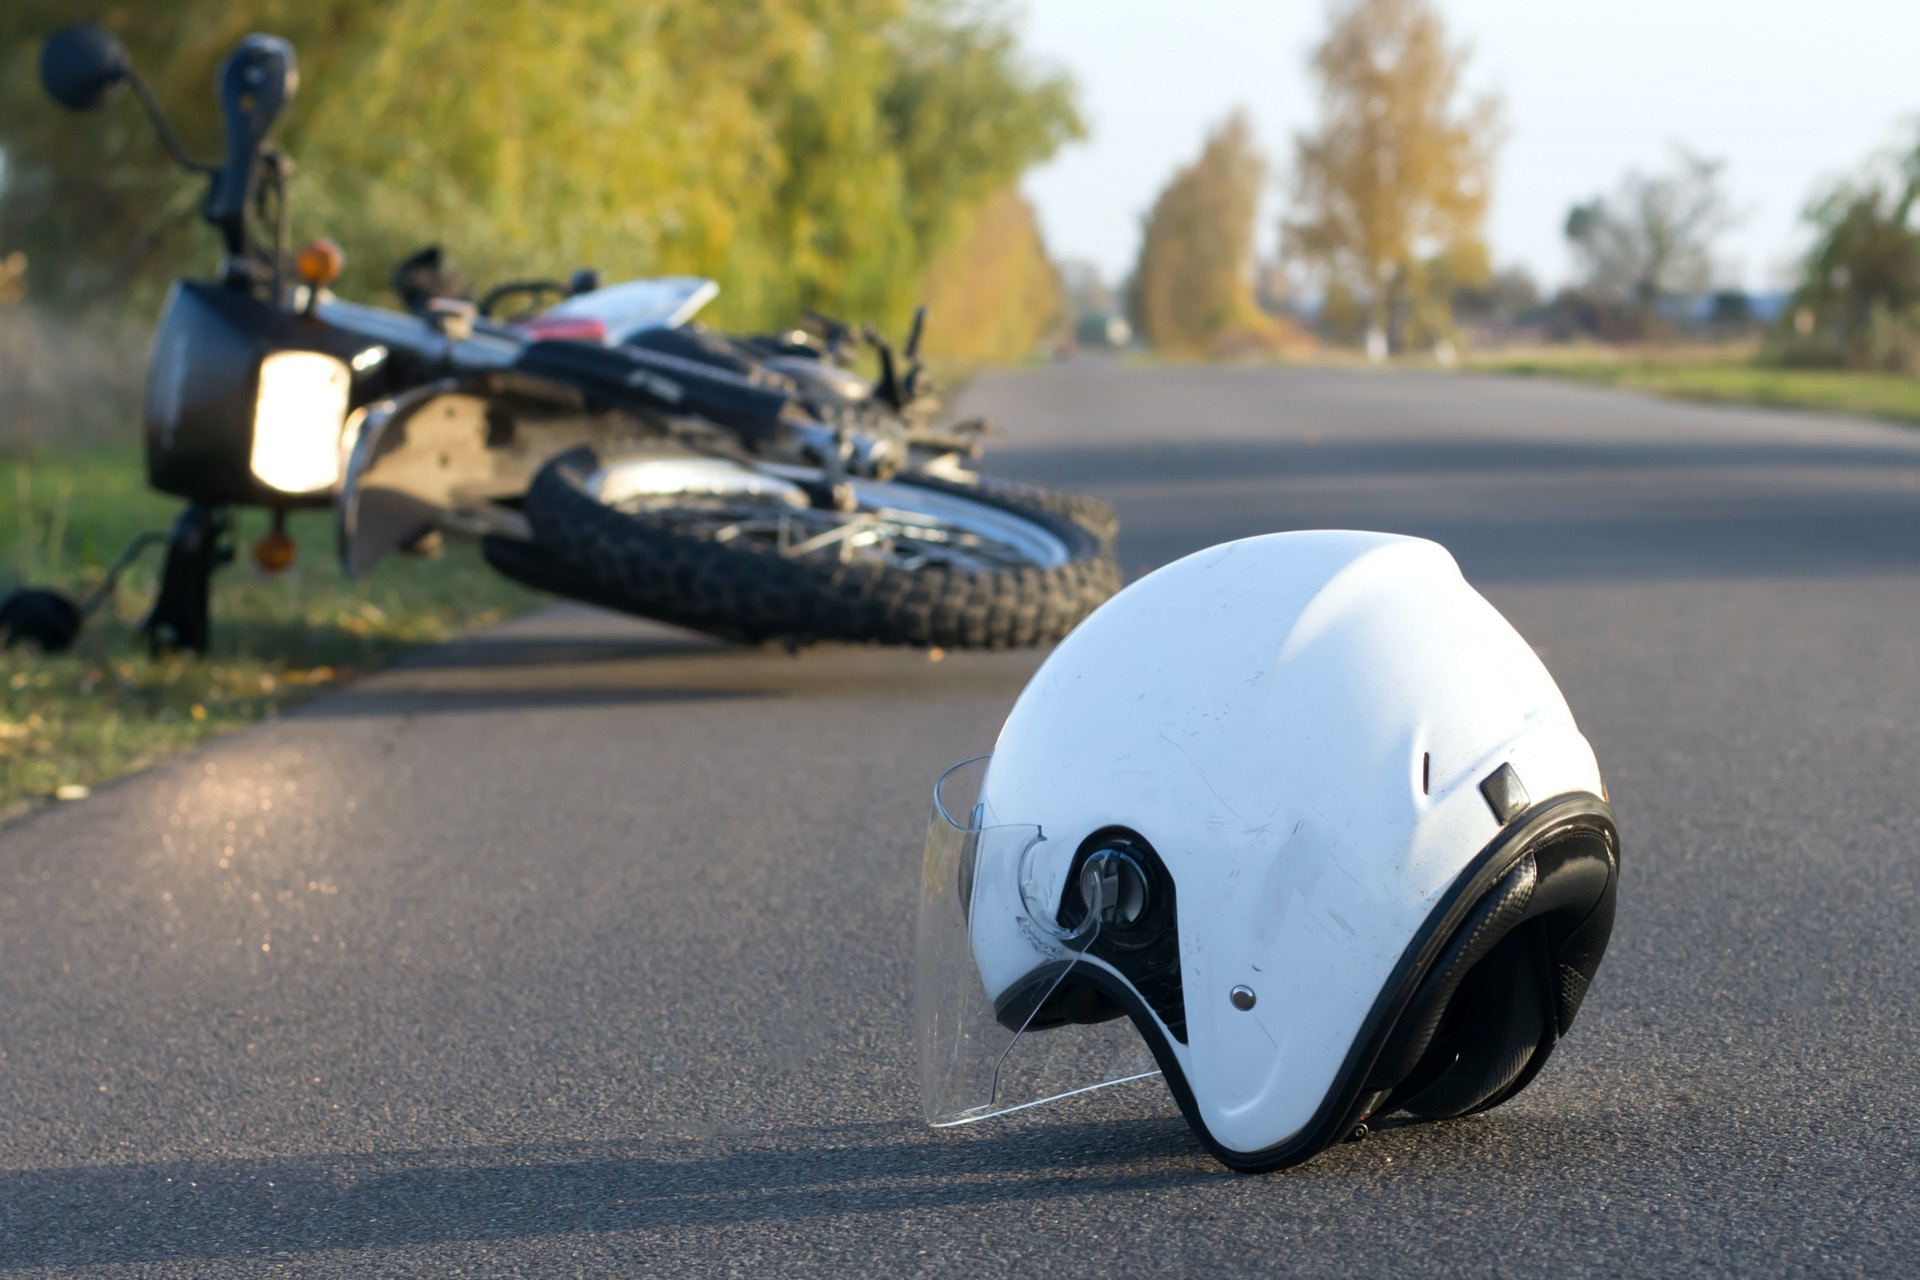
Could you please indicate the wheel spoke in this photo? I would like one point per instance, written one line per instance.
(910, 540)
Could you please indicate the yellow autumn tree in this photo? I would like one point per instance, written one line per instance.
(994, 296)
(1390, 193)
(804, 154)
(1192, 287)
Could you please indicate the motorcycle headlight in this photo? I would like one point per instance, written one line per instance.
(246, 402)
(297, 417)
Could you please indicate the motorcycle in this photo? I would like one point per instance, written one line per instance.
(599, 447)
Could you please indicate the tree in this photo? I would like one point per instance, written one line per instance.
(1654, 238)
(1858, 302)
(1390, 194)
(1499, 299)
(1193, 282)
(802, 153)
(994, 296)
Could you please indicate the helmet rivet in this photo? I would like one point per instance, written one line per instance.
(1242, 997)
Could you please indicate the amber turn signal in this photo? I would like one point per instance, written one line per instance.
(274, 551)
(320, 263)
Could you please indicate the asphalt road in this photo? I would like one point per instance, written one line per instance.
(585, 947)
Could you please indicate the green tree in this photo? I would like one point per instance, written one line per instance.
(802, 152)
(994, 296)
(1390, 193)
(1193, 282)
(1858, 302)
(1654, 238)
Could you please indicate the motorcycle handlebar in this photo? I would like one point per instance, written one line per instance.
(162, 126)
(256, 80)
(82, 67)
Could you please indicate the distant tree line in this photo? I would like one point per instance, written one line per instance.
(1389, 200)
(1646, 254)
(1384, 244)
(843, 156)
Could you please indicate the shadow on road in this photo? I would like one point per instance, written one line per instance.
(99, 1214)
(1387, 459)
(494, 651)
(430, 701)
(1524, 511)
(575, 656)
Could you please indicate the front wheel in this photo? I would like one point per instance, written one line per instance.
(915, 560)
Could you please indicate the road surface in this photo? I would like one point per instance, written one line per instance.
(584, 946)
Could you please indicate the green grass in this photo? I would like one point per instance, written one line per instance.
(76, 719)
(1873, 395)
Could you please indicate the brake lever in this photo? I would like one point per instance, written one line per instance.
(889, 388)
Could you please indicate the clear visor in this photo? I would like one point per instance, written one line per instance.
(999, 981)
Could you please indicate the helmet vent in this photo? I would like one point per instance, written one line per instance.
(1505, 794)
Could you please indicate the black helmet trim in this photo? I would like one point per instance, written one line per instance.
(1349, 1101)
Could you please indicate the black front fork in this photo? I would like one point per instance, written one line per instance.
(198, 545)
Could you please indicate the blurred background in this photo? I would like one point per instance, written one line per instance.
(1620, 171)
(1693, 187)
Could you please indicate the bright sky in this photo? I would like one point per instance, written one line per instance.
(1788, 92)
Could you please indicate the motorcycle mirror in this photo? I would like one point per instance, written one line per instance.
(83, 67)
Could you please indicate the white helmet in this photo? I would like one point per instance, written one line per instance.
(1311, 814)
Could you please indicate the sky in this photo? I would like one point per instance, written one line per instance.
(1791, 94)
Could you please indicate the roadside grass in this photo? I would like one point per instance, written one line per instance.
(1720, 378)
(73, 720)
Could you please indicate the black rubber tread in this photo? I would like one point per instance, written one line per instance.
(645, 565)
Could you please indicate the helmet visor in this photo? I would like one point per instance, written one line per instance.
(996, 973)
